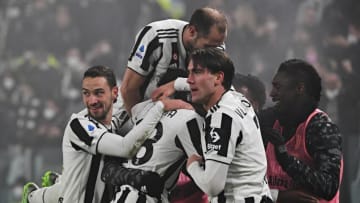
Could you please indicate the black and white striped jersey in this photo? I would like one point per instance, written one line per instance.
(85, 143)
(232, 137)
(158, 47)
(82, 164)
(176, 137)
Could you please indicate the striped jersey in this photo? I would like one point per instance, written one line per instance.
(84, 142)
(232, 137)
(158, 47)
(82, 164)
(176, 137)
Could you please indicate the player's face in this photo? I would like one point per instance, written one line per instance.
(202, 84)
(283, 92)
(213, 39)
(98, 98)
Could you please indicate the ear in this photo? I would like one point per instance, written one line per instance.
(115, 93)
(219, 78)
(192, 31)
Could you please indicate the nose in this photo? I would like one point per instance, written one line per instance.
(190, 79)
(272, 93)
(92, 99)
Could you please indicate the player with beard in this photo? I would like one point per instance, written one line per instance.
(164, 45)
(89, 136)
(304, 149)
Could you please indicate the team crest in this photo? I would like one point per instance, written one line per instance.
(175, 56)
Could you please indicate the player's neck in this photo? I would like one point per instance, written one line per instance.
(214, 98)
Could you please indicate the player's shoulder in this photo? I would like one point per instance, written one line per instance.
(231, 100)
(233, 104)
(181, 115)
(79, 115)
(167, 24)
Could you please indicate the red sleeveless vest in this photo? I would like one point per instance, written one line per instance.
(296, 146)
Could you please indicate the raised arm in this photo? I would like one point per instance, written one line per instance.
(130, 88)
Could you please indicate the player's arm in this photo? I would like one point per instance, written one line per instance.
(130, 88)
(169, 88)
(89, 136)
(116, 174)
(220, 143)
(127, 146)
(210, 179)
(139, 67)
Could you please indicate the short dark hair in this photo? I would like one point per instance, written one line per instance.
(101, 71)
(256, 87)
(170, 75)
(215, 60)
(204, 18)
(301, 71)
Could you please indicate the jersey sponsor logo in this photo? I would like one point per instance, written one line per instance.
(217, 139)
(214, 135)
(213, 147)
(214, 143)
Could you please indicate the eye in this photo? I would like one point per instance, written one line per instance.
(85, 93)
(99, 92)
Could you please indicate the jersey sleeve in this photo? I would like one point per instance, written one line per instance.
(85, 133)
(94, 138)
(145, 51)
(222, 135)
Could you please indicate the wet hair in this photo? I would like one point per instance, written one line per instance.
(301, 71)
(215, 60)
(255, 86)
(101, 71)
(204, 18)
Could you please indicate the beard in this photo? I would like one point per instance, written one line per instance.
(100, 113)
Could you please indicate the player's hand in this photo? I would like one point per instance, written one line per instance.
(295, 196)
(193, 158)
(273, 136)
(173, 104)
(163, 91)
(151, 184)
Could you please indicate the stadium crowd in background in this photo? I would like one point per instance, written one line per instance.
(58, 40)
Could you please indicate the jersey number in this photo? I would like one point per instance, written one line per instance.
(148, 145)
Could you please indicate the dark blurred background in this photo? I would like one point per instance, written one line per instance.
(45, 45)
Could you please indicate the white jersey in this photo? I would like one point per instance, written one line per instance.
(82, 164)
(232, 137)
(85, 142)
(158, 47)
(164, 152)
